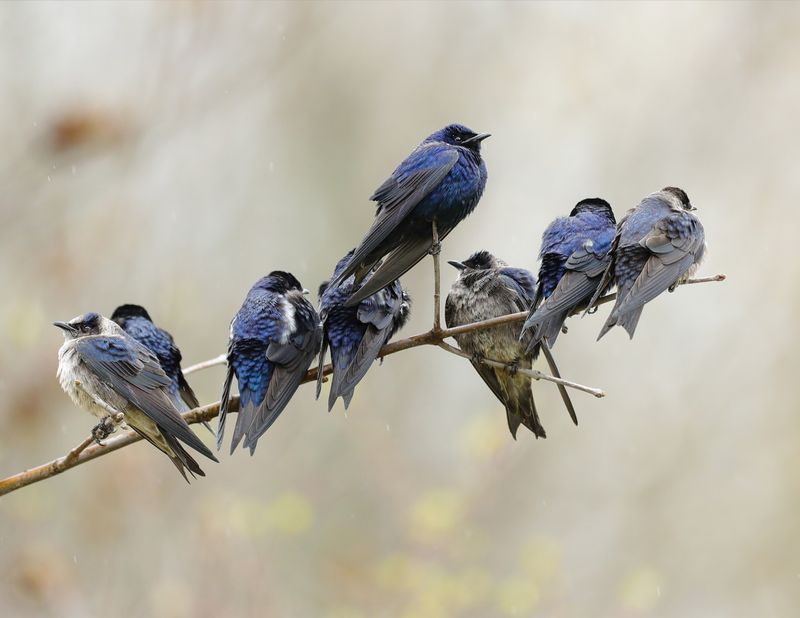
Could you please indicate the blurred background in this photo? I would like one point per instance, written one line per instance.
(169, 154)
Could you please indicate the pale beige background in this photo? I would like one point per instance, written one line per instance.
(169, 154)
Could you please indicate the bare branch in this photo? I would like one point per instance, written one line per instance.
(88, 450)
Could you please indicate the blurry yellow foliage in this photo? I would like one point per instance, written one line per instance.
(517, 596)
(640, 589)
(541, 561)
(430, 588)
(289, 513)
(24, 322)
(435, 513)
(483, 436)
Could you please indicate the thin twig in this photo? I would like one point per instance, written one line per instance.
(87, 450)
(437, 278)
(212, 362)
(531, 373)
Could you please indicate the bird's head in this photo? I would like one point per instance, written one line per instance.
(280, 282)
(125, 312)
(82, 326)
(480, 260)
(680, 195)
(459, 135)
(595, 205)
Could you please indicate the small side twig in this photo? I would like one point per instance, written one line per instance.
(531, 373)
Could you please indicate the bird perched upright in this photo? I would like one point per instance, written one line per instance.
(135, 321)
(574, 255)
(109, 373)
(486, 288)
(356, 334)
(273, 339)
(440, 182)
(658, 244)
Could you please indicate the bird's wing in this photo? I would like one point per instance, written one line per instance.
(608, 275)
(675, 242)
(378, 312)
(579, 280)
(133, 372)
(397, 263)
(396, 198)
(224, 401)
(291, 360)
(489, 376)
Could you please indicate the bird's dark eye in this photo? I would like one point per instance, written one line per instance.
(86, 328)
(458, 139)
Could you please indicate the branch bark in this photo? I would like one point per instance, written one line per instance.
(88, 449)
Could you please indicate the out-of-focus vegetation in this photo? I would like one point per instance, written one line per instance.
(169, 154)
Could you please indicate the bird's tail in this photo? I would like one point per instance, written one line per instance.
(627, 320)
(521, 409)
(178, 455)
(224, 404)
(182, 459)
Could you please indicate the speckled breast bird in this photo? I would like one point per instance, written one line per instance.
(486, 288)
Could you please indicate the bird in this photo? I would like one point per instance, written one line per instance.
(658, 244)
(136, 321)
(273, 339)
(355, 335)
(117, 379)
(439, 183)
(574, 255)
(487, 288)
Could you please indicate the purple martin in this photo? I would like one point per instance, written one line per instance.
(441, 181)
(356, 334)
(658, 244)
(273, 339)
(486, 288)
(107, 372)
(135, 321)
(574, 255)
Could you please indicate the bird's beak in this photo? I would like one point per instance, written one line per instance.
(456, 265)
(477, 139)
(693, 208)
(306, 292)
(66, 327)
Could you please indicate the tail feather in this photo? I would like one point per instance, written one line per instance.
(224, 404)
(561, 388)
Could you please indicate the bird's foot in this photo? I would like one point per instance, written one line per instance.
(436, 248)
(103, 429)
(592, 310)
(671, 288)
(513, 368)
(478, 358)
(564, 329)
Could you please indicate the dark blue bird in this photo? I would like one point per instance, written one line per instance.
(356, 334)
(574, 254)
(135, 321)
(658, 244)
(441, 182)
(274, 338)
(487, 288)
